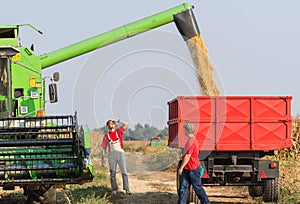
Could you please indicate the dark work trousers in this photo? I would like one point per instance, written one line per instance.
(117, 158)
(188, 178)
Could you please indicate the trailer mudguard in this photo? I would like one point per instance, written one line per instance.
(268, 169)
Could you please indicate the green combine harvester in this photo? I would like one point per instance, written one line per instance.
(39, 152)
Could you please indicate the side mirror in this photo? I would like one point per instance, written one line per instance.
(55, 76)
(53, 93)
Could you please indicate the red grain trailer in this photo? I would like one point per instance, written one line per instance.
(234, 134)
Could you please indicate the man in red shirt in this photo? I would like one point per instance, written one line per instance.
(113, 141)
(190, 169)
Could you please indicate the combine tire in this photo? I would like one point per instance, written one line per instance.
(255, 191)
(271, 189)
(43, 195)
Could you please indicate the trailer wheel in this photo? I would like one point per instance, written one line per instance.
(193, 197)
(178, 177)
(271, 188)
(255, 191)
(45, 194)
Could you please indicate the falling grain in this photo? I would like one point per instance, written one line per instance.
(205, 71)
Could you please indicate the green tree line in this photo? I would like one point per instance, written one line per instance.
(140, 132)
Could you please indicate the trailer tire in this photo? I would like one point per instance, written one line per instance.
(255, 191)
(45, 194)
(193, 197)
(178, 178)
(271, 189)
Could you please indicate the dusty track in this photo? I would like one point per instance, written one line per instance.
(153, 187)
(159, 187)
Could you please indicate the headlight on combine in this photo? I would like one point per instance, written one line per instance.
(24, 110)
(34, 94)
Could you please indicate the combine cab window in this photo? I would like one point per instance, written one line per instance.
(7, 33)
(3, 77)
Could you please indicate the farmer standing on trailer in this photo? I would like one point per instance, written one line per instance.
(190, 169)
(114, 141)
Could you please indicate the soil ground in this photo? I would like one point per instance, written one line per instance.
(159, 187)
(150, 183)
(152, 186)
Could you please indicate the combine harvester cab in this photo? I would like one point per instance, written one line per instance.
(38, 152)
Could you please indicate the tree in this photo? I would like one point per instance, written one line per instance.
(140, 132)
(150, 131)
(164, 134)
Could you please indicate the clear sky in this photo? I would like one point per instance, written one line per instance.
(253, 45)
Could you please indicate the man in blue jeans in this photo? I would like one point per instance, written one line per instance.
(190, 169)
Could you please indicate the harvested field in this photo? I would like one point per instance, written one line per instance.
(289, 166)
(294, 151)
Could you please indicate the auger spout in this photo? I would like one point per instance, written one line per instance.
(182, 15)
(186, 24)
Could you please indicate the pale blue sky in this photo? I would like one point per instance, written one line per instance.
(253, 45)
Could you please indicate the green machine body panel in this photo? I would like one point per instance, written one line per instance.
(9, 36)
(27, 86)
(85, 136)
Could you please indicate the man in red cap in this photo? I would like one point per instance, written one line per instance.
(113, 140)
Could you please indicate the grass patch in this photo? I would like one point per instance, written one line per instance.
(153, 150)
(293, 198)
(290, 181)
(143, 146)
(161, 186)
(143, 177)
(163, 159)
(95, 192)
(135, 146)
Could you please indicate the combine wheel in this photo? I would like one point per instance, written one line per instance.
(271, 189)
(45, 194)
(255, 191)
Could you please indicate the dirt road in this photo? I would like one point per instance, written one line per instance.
(159, 187)
(152, 184)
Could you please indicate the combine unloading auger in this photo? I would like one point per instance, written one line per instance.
(182, 15)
